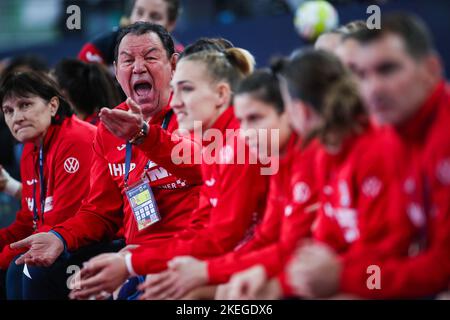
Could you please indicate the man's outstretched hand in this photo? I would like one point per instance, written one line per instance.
(123, 124)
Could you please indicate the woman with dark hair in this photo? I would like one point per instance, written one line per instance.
(88, 88)
(10, 150)
(55, 162)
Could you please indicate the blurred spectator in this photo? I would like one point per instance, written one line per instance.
(163, 12)
(9, 185)
(88, 88)
(25, 63)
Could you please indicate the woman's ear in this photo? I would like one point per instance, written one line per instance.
(223, 94)
(54, 105)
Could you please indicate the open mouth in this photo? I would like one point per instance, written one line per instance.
(142, 88)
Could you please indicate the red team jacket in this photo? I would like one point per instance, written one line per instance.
(422, 148)
(360, 201)
(288, 218)
(106, 207)
(67, 161)
(399, 221)
(231, 200)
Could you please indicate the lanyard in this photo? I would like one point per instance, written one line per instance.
(42, 188)
(128, 149)
(427, 207)
(127, 163)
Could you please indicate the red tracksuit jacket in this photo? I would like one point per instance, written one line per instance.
(288, 218)
(67, 161)
(231, 200)
(106, 207)
(93, 119)
(422, 149)
(361, 204)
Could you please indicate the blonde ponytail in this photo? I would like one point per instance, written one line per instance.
(242, 59)
(231, 66)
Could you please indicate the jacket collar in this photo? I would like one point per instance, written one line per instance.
(420, 122)
(52, 132)
(158, 118)
(226, 120)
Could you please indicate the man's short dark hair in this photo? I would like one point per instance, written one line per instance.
(411, 29)
(139, 28)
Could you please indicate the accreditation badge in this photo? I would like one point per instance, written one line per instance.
(143, 204)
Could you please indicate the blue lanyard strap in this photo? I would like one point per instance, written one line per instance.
(166, 120)
(42, 188)
(127, 163)
(128, 148)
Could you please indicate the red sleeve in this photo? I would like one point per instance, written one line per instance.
(69, 189)
(416, 277)
(90, 53)
(327, 230)
(266, 233)
(7, 255)
(242, 189)
(293, 202)
(100, 215)
(22, 227)
(293, 220)
(276, 256)
(411, 277)
(385, 231)
(174, 153)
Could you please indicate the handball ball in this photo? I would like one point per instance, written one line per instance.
(315, 17)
